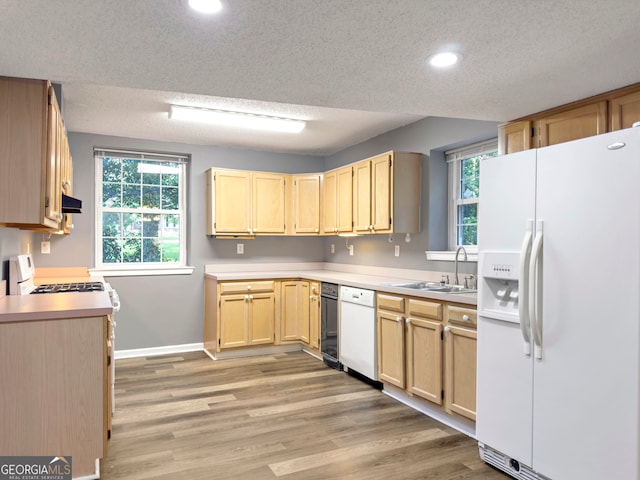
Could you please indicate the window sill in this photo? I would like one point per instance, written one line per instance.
(138, 272)
(451, 256)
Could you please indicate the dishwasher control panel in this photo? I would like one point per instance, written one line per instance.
(360, 296)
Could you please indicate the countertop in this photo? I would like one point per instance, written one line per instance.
(373, 278)
(19, 308)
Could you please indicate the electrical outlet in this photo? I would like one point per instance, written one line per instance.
(240, 248)
(333, 248)
(397, 250)
(351, 250)
(45, 247)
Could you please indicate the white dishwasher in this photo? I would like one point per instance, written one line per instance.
(358, 342)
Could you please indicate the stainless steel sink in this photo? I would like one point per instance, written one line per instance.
(434, 287)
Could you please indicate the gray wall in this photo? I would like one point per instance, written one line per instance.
(168, 310)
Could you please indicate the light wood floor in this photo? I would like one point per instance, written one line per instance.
(285, 416)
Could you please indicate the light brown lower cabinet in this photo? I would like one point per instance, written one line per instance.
(246, 313)
(56, 389)
(294, 311)
(314, 315)
(249, 313)
(428, 349)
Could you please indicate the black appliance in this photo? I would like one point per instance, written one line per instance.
(329, 325)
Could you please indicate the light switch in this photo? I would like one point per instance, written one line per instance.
(240, 248)
(45, 247)
(397, 253)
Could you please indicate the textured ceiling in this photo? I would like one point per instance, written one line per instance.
(353, 69)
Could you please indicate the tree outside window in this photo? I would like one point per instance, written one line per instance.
(140, 210)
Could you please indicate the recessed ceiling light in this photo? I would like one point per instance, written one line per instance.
(444, 59)
(206, 6)
(236, 119)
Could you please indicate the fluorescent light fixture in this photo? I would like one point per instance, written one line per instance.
(236, 119)
(206, 6)
(444, 59)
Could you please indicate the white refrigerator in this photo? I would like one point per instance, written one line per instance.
(558, 382)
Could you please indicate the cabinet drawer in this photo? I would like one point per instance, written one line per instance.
(461, 315)
(425, 309)
(227, 288)
(391, 303)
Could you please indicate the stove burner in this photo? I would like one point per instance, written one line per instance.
(69, 287)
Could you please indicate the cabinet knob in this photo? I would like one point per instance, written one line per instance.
(447, 329)
(399, 319)
(408, 321)
(317, 230)
(248, 287)
(466, 318)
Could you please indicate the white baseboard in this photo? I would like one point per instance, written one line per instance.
(150, 352)
(255, 351)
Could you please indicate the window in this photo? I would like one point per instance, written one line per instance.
(140, 210)
(464, 192)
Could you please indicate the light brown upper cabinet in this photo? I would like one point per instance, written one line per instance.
(515, 137)
(338, 201)
(245, 203)
(306, 204)
(573, 124)
(624, 110)
(32, 143)
(386, 193)
(602, 113)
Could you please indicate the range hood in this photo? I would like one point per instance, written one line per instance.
(71, 205)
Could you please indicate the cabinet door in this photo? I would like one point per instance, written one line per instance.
(55, 131)
(295, 311)
(329, 202)
(304, 316)
(460, 371)
(424, 359)
(268, 214)
(624, 111)
(306, 191)
(66, 175)
(232, 201)
(234, 322)
(262, 313)
(381, 193)
(290, 311)
(391, 348)
(573, 124)
(362, 197)
(314, 315)
(515, 137)
(344, 200)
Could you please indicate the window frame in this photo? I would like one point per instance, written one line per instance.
(141, 268)
(454, 160)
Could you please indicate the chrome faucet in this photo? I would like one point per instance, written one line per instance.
(455, 277)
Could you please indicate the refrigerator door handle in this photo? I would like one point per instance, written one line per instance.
(535, 295)
(523, 304)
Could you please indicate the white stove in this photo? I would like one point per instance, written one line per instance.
(21, 272)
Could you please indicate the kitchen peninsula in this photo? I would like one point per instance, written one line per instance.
(55, 355)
